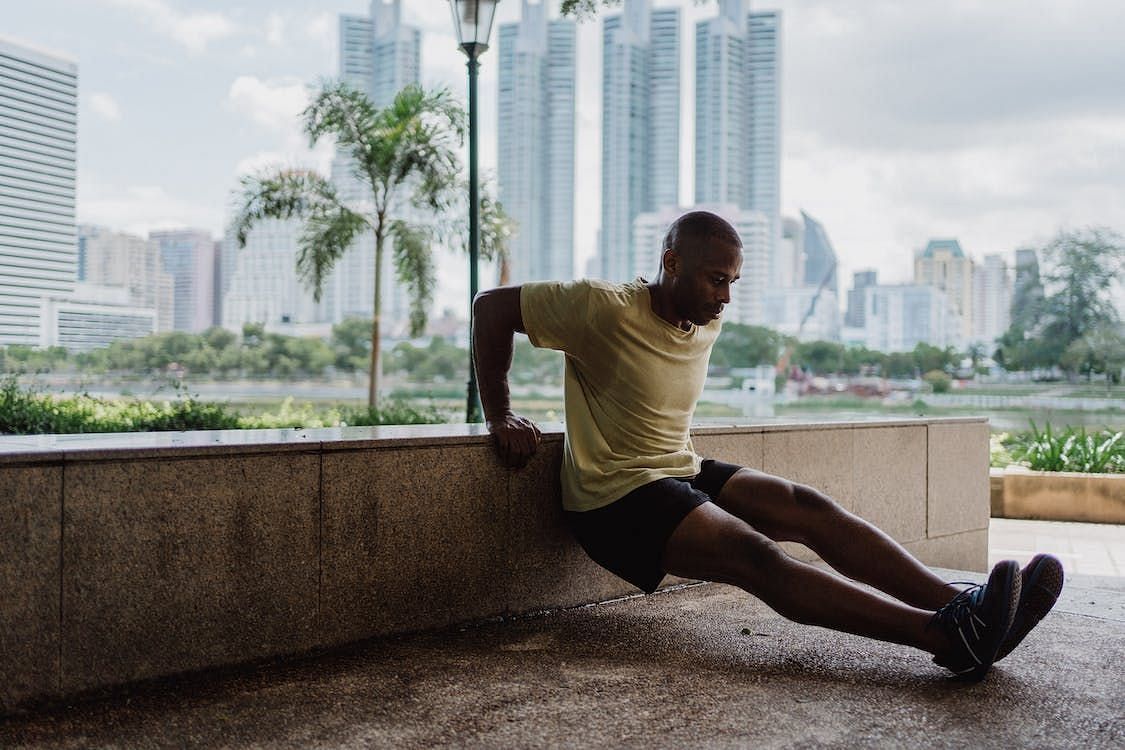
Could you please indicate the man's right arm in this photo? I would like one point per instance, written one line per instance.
(496, 319)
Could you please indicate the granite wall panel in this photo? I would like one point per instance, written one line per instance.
(30, 534)
(176, 565)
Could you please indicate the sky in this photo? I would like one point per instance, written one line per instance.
(996, 122)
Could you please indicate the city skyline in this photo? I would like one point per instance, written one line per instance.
(943, 122)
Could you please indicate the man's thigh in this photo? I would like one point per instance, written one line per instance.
(711, 544)
(774, 506)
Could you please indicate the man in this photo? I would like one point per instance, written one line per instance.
(643, 504)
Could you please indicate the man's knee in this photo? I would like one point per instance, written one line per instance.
(813, 502)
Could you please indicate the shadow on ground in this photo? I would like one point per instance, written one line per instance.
(700, 666)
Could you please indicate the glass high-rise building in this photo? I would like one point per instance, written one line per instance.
(38, 155)
(820, 256)
(737, 116)
(640, 127)
(188, 256)
(379, 55)
(535, 142)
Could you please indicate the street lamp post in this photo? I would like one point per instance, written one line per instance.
(473, 21)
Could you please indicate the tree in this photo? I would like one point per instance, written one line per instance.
(1101, 350)
(406, 154)
(1083, 268)
(746, 346)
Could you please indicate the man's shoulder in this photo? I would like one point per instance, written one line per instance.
(597, 291)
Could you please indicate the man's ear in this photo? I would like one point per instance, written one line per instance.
(670, 262)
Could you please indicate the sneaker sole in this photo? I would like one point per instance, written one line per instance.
(1042, 584)
(1007, 578)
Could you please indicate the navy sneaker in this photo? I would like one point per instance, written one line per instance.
(1042, 582)
(977, 620)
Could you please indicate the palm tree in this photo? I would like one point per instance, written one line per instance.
(407, 154)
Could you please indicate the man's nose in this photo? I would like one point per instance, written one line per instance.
(724, 294)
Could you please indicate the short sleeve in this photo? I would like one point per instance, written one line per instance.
(556, 314)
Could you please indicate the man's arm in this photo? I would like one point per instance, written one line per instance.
(496, 320)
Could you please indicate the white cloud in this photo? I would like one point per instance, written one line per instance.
(105, 106)
(274, 104)
(139, 208)
(275, 29)
(192, 29)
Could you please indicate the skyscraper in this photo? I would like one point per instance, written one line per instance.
(119, 259)
(856, 316)
(188, 255)
(38, 150)
(535, 139)
(640, 126)
(992, 299)
(944, 265)
(764, 88)
(379, 55)
(737, 117)
(820, 256)
(263, 284)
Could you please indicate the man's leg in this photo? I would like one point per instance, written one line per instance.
(791, 512)
(711, 544)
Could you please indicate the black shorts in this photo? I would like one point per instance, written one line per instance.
(627, 537)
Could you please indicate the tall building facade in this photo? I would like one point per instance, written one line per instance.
(379, 55)
(992, 299)
(943, 264)
(856, 315)
(901, 316)
(737, 117)
(38, 155)
(819, 256)
(640, 127)
(188, 256)
(263, 283)
(117, 259)
(535, 142)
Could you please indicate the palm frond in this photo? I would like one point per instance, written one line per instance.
(414, 267)
(341, 110)
(279, 194)
(328, 233)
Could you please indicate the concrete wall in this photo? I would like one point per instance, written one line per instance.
(127, 557)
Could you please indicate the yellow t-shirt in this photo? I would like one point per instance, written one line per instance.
(631, 384)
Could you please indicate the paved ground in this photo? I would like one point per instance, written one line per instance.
(1084, 548)
(701, 666)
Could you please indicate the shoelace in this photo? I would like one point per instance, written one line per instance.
(961, 609)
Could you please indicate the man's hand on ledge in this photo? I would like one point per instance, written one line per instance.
(516, 438)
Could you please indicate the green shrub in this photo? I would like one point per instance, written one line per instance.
(1071, 449)
(938, 380)
(392, 412)
(26, 411)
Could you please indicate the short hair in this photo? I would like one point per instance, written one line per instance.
(697, 227)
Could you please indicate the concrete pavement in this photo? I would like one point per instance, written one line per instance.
(703, 666)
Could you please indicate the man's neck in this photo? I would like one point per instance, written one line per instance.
(662, 306)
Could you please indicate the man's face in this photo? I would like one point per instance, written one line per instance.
(702, 281)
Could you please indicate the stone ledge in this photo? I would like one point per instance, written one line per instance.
(209, 549)
(1057, 495)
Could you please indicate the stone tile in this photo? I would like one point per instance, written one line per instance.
(965, 551)
(890, 479)
(547, 567)
(413, 539)
(741, 449)
(178, 565)
(822, 459)
(958, 489)
(30, 505)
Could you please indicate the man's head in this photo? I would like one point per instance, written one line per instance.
(702, 257)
